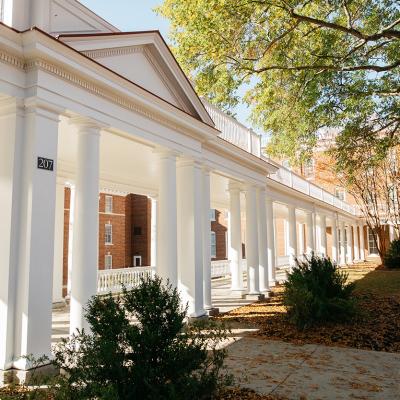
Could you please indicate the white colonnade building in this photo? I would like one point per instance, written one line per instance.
(85, 105)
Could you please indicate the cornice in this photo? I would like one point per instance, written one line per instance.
(28, 65)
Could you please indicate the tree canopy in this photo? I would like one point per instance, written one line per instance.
(305, 64)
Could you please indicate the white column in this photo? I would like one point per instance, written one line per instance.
(349, 253)
(356, 242)
(301, 240)
(11, 157)
(253, 284)
(206, 240)
(35, 238)
(153, 232)
(322, 225)
(86, 222)
(362, 244)
(235, 238)
(292, 235)
(190, 220)
(167, 257)
(342, 244)
(271, 242)
(70, 238)
(391, 233)
(335, 241)
(59, 245)
(262, 240)
(310, 233)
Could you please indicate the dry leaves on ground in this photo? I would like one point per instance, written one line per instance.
(376, 327)
(246, 394)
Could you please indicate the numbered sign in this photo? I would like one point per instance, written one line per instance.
(45, 163)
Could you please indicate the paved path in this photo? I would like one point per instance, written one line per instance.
(313, 371)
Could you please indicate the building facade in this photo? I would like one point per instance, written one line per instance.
(104, 112)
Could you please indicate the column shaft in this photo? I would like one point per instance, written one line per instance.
(310, 233)
(153, 232)
(292, 248)
(335, 241)
(235, 239)
(356, 242)
(206, 240)
(59, 245)
(35, 238)
(362, 244)
(342, 244)
(167, 263)
(322, 224)
(86, 223)
(262, 240)
(349, 251)
(253, 284)
(190, 236)
(271, 242)
(11, 158)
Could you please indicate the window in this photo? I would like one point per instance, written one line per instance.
(108, 261)
(309, 167)
(213, 214)
(213, 245)
(373, 249)
(137, 261)
(137, 230)
(109, 204)
(340, 193)
(108, 234)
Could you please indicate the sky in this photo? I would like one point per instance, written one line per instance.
(138, 15)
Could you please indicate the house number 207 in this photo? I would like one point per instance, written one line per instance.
(45, 163)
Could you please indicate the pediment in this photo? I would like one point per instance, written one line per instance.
(143, 58)
(68, 16)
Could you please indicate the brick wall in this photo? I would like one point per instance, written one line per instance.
(141, 227)
(220, 227)
(128, 212)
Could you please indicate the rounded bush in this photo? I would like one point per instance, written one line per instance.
(392, 257)
(317, 291)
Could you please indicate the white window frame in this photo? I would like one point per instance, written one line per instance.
(213, 244)
(108, 236)
(340, 193)
(213, 214)
(108, 261)
(139, 258)
(371, 244)
(108, 204)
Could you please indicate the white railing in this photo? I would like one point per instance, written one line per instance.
(294, 181)
(113, 280)
(234, 132)
(220, 268)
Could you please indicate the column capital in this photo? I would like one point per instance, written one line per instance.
(234, 186)
(188, 162)
(43, 108)
(163, 153)
(87, 125)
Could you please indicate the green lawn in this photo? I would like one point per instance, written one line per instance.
(382, 282)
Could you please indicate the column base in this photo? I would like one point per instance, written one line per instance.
(24, 377)
(239, 292)
(255, 296)
(212, 311)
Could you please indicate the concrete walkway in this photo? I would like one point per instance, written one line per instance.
(313, 371)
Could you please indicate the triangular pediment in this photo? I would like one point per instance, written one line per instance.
(68, 16)
(144, 59)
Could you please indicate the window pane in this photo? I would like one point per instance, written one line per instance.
(212, 214)
(213, 245)
(108, 234)
(109, 204)
(108, 261)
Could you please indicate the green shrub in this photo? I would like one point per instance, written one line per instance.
(317, 291)
(156, 357)
(392, 257)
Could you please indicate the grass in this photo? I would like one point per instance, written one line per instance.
(375, 327)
